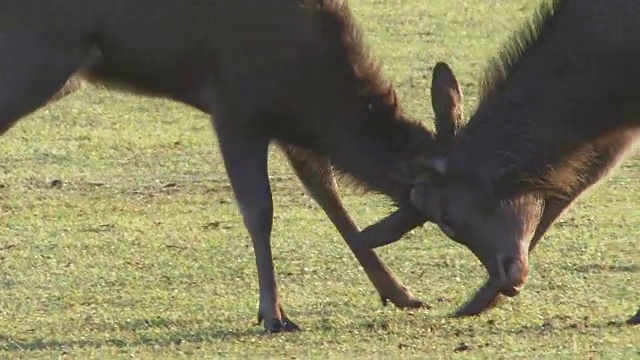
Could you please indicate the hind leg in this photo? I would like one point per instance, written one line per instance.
(33, 67)
(316, 175)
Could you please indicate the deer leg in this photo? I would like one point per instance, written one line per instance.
(317, 176)
(488, 297)
(72, 85)
(391, 228)
(245, 159)
(33, 67)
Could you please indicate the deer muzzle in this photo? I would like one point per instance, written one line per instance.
(512, 274)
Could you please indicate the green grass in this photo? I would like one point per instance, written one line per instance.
(142, 251)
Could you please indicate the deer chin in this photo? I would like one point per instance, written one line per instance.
(511, 291)
(511, 275)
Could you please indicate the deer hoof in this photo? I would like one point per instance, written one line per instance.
(634, 320)
(280, 325)
(409, 302)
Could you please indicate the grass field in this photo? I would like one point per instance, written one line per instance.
(141, 251)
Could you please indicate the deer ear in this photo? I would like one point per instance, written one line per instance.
(446, 100)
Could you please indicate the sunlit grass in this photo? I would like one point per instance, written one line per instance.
(141, 252)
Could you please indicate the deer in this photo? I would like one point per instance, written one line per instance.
(559, 111)
(296, 74)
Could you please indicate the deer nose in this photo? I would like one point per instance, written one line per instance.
(513, 274)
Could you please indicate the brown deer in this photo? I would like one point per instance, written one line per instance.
(560, 109)
(295, 73)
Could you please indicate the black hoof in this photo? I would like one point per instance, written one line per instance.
(277, 326)
(634, 320)
(411, 303)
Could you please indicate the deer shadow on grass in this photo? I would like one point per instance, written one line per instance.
(139, 337)
(148, 332)
(210, 333)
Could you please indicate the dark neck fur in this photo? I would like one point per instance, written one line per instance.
(353, 112)
(376, 152)
(558, 89)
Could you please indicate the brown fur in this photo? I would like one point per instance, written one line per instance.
(296, 73)
(344, 68)
(523, 41)
(562, 150)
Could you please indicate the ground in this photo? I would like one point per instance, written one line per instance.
(120, 237)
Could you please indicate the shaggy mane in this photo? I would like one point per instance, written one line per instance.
(338, 23)
(523, 41)
(364, 76)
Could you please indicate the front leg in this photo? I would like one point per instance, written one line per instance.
(391, 228)
(245, 159)
(316, 175)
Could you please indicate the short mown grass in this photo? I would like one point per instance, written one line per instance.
(138, 250)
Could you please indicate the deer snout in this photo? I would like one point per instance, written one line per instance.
(512, 274)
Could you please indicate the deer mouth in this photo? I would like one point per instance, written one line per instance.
(512, 275)
(510, 291)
